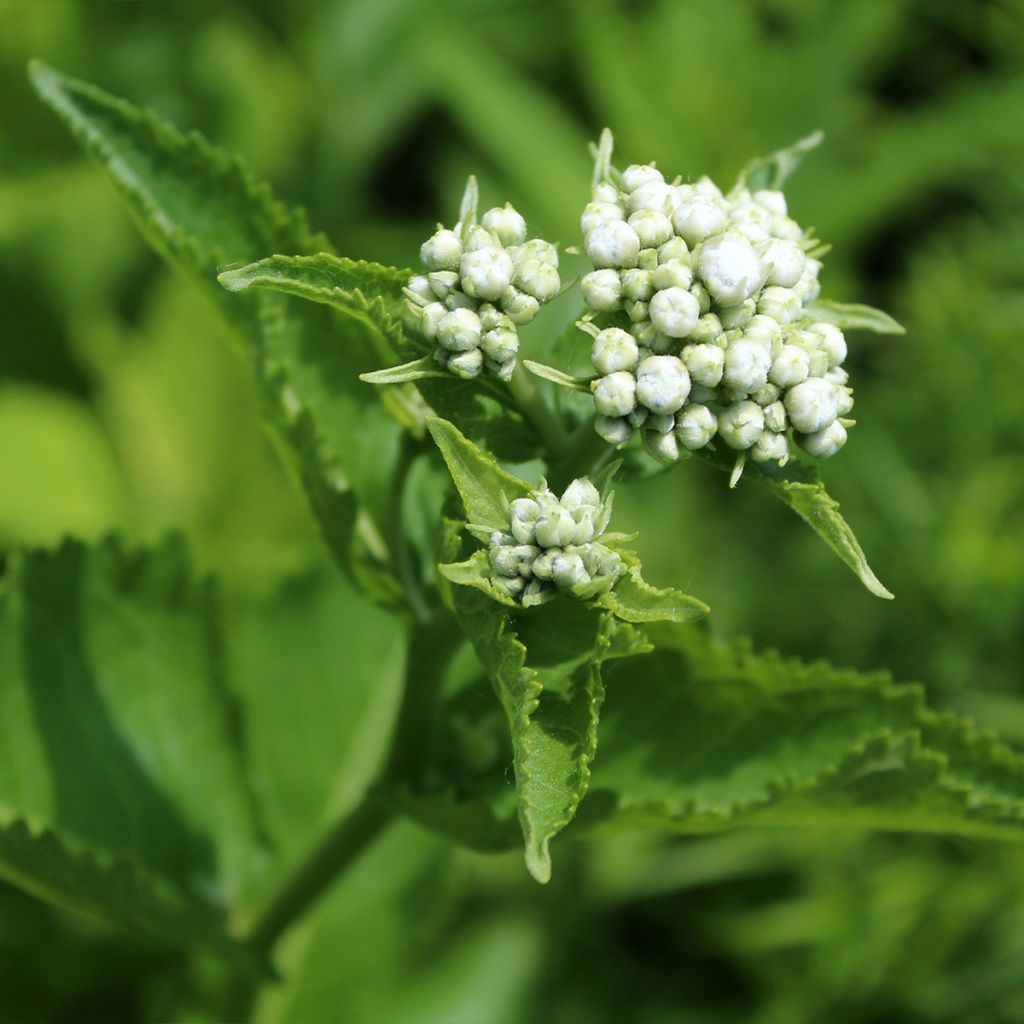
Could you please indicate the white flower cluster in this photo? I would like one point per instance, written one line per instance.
(484, 281)
(552, 545)
(710, 292)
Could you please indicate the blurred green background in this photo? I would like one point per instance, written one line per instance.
(122, 406)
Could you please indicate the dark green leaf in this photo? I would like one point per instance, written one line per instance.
(854, 315)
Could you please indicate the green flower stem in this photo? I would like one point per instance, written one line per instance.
(585, 453)
(532, 405)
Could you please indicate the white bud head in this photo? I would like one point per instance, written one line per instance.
(824, 443)
(695, 426)
(833, 342)
(459, 330)
(500, 344)
(615, 394)
(698, 218)
(770, 447)
(675, 312)
(605, 192)
(581, 493)
(741, 424)
(674, 249)
(466, 364)
(746, 365)
(430, 318)
(596, 214)
(673, 274)
(636, 175)
(479, 238)
(602, 289)
(784, 260)
(614, 430)
(662, 384)
(708, 329)
(513, 559)
(730, 269)
(613, 244)
(706, 364)
(637, 284)
(652, 228)
(535, 249)
(538, 279)
(523, 513)
(781, 304)
(486, 272)
(506, 224)
(555, 527)
(736, 317)
(775, 418)
(520, 307)
(420, 288)
(614, 350)
(812, 405)
(772, 200)
(568, 570)
(655, 196)
(663, 447)
(442, 251)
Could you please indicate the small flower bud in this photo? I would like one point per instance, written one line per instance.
(506, 224)
(775, 418)
(770, 447)
(615, 431)
(708, 329)
(581, 493)
(538, 279)
(555, 528)
(491, 318)
(605, 192)
(704, 186)
(787, 228)
(535, 249)
(637, 311)
(602, 289)
(672, 274)
(430, 318)
(500, 344)
(510, 586)
(536, 593)
(543, 567)
(513, 560)
(812, 405)
(662, 384)
(648, 259)
(655, 196)
(419, 289)
(824, 443)
(781, 304)
(614, 350)
(596, 214)
(695, 426)
(766, 395)
(660, 424)
(568, 570)
(441, 251)
(520, 307)
(442, 282)
(652, 228)
(844, 402)
(522, 516)
(746, 366)
(675, 312)
(706, 364)
(615, 394)
(613, 244)
(480, 238)
(503, 371)
(639, 416)
(674, 249)
(486, 273)
(601, 561)
(784, 260)
(459, 300)
(837, 375)
(741, 424)
(698, 218)
(459, 330)
(636, 175)
(637, 285)
(771, 199)
(737, 317)
(833, 342)
(663, 447)
(467, 365)
(730, 269)
(807, 288)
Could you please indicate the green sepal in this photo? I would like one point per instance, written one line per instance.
(564, 380)
(425, 368)
(854, 315)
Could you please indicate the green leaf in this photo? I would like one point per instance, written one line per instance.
(425, 368)
(635, 600)
(772, 171)
(707, 736)
(854, 315)
(800, 487)
(565, 380)
(475, 572)
(203, 210)
(116, 717)
(485, 488)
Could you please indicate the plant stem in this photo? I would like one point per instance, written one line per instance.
(585, 453)
(532, 405)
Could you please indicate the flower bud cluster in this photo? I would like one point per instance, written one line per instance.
(552, 545)
(714, 338)
(483, 282)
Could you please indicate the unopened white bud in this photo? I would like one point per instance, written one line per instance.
(596, 214)
(655, 196)
(741, 424)
(706, 364)
(614, 430)
(605, 192)
(737, 317)
(775, 417)
(615, 394)
(674, 249)
(430, 318)
(770, 447)
(568, 571)
(486, 273)
(636, 175)
(491, 318)
(652, 228)
(520, 307)
(442, 251)
(674, 311)
(442, 282)
(614, 350)
(538, 279)
(418, 289)
(479, 238)
(506, 224)
(695, 426)
(602, 289)
(511, 586)
(824, 443)
(503, 371)
(784, 260)
(786, 227)
(637, 284)
(672, 274)
(535, 249)
(662, 384)
(807, 288)
(844, 401)
(467, 364)
(765, 330)
(730, 269)
(613, 244)
(766, 395)
(833, 342)
(523, 514)
(660, 424)
(781, 304)
(663, 447)
(500, 344)
(581, 493)
(555, 527)
(698, 218)
(772, 200)
(708, 329)
(637, 311)
(639, 416)
(746, 365)
(812, 405)
(513, 560)
(704, 186)
(459, 330)
(837, 375)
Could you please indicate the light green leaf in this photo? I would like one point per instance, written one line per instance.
(854, 315)
(772, 171)
(485, 488)
(203, 210)
(635, 600)
(707, 736)
(425, 368)
(565, 380)
(475, 572)
(116, 716)
(801, 488)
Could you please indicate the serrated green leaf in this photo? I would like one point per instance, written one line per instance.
(425, 368)
(485, 488)
(116, 717)
(772, 171)
(707, 736)
(475, 572)
(203, 210)
(801, 488)
(635, 600)
(854, 315)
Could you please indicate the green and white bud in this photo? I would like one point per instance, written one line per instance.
(812, 405)
(824, 443)
(613, 244)
(837, 375)
(538, 279)
(467, 365)
(418, 290)
(605, 192)
(706, 364)
(695, 426)
(602, 290)
(785, 261)
(637, 311)
(520, 307)
(730, 268)
(703, 297)
(772, 200)
(639, 416)
(808, 288)
(662, 384)
(522, 517)
(487, 272)
(746, 366)
(672, 274)
(734, 318)
(615, 394)
(442, 282)
(765, 396)
(543, 567)
(708, 329)
(675, 312)
(459, 330)
(535, 249)
(596, 214)
(555, 527)
(568, 570)
(636, 175)
(833, 342)
(648, 259)
(741, 424)
(614, 430)
(513, 560)
(663, 447)
(431, 316)
(652, 228)
(775, 418)
(660, 424)
(844, 401)
(674, 249)
(441, 251)
(506, 224)
(500, 344)
(503, 371)
(479, 238)
(637, 284)
(655, 196)
(601, 560)
(697, 218)
(704, 396)
(581, 493)
(492, 318)
(511, 586)
(770, 447)
(614, 350)
(781, 304)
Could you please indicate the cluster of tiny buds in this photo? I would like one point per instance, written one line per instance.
(483, 282)
(714, 337)
(552, 545)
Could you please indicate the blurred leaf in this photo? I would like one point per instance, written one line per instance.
(853, 315)
(771, 172)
